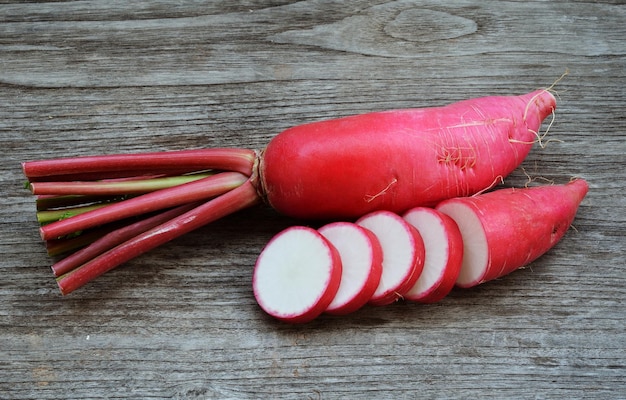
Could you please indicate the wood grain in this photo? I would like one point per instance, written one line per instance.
(88, 77)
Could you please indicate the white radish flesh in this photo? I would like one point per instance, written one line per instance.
(475, 248)
(361, 261)
(443, 246)
(403, 255)
(297, 275)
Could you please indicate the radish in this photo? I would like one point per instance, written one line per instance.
(403, 255)
(341, 168)
(443, 246)
(361, 261)
(396, 160)
(509, 228)
(297, 275)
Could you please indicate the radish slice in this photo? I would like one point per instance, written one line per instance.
(296, 275)
(475, 249)
(403, 255)
(361, 262)
(444, 254)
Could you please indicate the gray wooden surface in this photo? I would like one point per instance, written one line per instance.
(89, 77)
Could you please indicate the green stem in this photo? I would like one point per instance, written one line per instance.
(44, 203)
(112, 187)
(50, 216)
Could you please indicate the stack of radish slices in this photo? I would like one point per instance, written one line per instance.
(419, 256)
(337, 269)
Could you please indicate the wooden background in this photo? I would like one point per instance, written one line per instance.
(89, 77)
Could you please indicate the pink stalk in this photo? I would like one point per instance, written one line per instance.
(240, 160)
(114, 238)
(165, 198)
(111, 187)
(237, 199)
(57, 247)
(111, 175)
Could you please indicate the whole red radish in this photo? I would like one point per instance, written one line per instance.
(443, 246)
(507, 229)
(361, 262)
(297, 275)
(399, 159)
(403, 255)
(341, 168)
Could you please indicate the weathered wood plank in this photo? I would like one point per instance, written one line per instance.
(85, 77)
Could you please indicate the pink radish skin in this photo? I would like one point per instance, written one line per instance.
(361, 261)
(403, 255)
(297, 275)
(509, 228)
(396, 160)
(443, 246)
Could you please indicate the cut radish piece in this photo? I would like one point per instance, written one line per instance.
(507, 229)
(444, 254)
(361, 262)
(297, 275)
(403, 255)
(475, 247)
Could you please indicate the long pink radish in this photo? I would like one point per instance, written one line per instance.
(443, 246)
(361, 261)
(396, 160)
(341, 168)
(509, 228)
(297, 275)
(403, 255)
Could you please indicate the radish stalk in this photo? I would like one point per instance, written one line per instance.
(58, 247)
(114, 238)
(49, 216)
(239, 198)
(51, 202)
(110, 188)
(239, 160)
(190, 192)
